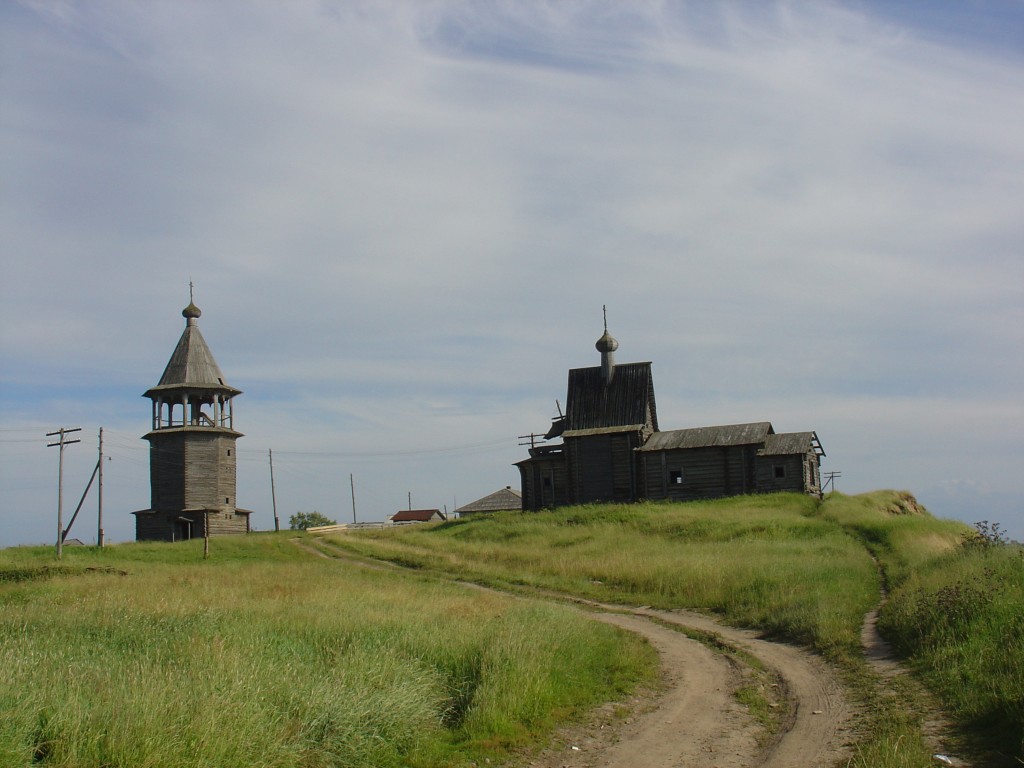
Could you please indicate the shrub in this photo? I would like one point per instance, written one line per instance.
(300, 521)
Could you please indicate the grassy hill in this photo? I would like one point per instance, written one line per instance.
(802, 570)
(266, 655)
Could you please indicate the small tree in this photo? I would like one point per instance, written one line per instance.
(300, 521)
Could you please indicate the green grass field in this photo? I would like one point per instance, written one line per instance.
(266, 655)
(803, 571)
(146, 655)
(761, 561)
(956, 613)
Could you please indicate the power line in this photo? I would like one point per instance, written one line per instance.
(388, 454)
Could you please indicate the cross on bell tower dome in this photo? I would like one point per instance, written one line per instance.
(192, 455)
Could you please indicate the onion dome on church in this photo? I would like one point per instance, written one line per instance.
(606, 345)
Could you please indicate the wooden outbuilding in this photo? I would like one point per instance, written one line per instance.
(506, 499)
(418, 516)
(613, 451)
(192, 453)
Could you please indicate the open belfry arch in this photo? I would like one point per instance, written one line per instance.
(192, 452)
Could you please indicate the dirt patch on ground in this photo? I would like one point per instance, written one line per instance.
(905, 504)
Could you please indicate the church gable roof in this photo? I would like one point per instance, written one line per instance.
(628, 401)
(706, 437)
(791, 443)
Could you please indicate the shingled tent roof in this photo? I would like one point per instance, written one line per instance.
(592, 406)
(499, 501)
(706, 437)
(192, 365)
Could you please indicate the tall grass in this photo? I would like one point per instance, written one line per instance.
(956, 611)
(802, 570)
(900, 533)
(147, 655)
(157, 658)
(758, 561)
(960, 621)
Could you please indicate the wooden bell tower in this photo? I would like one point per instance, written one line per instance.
(192, 454)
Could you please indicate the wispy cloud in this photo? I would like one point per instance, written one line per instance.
(402, 220)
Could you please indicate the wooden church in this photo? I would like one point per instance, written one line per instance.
(192, 454)
(612, 450)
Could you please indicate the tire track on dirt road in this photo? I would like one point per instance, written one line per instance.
(710, 729)
(695, 721)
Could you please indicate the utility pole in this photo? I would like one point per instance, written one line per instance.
(61, 441)
(352, 483)
(830, 479)
(273, 494)
(410, 501)
(99, 514)
(97, 470)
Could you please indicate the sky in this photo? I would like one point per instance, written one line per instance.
(402, 221)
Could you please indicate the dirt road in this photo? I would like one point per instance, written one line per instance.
(697, 722)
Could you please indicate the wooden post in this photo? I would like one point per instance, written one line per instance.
(60, 482)
(99, 515)
(352, 483)
(60, 499)
(273, 494)
(206, 534)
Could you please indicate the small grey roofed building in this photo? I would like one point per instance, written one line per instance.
(505, 500)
